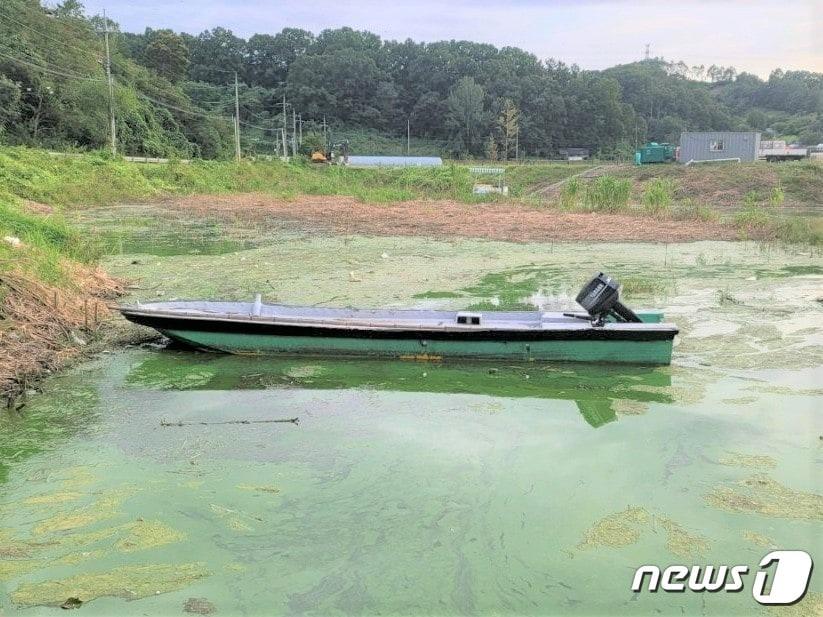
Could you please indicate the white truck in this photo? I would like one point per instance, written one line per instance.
(775, 151)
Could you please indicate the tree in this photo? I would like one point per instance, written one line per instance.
(215, 55)
(509, 125)
(465, 115)
(167, 55)
(427, 114)
(344, 85)
(491, 148)
(70, 8)
(9, 101)
(268, 58)
(757, 119)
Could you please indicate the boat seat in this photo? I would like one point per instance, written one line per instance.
(468, 319)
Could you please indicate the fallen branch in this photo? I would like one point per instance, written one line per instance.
(203, 423)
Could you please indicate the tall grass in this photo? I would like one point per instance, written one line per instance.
(757, 216)
(608, 194)
(777, 196)
(658, 195)
(570, 194)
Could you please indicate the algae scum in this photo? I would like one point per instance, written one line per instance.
(424, 488)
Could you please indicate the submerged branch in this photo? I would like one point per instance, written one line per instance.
(204, 423)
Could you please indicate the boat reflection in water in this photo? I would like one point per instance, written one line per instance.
(598, 391)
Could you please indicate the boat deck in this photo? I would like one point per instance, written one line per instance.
(381, 319)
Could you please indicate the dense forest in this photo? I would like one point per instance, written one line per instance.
(174, 93)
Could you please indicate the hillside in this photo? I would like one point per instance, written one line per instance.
(174, 93)
(53, 90)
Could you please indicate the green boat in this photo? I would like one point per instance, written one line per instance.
(607, 332)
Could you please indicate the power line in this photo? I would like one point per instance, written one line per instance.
(20, 23)
(49, 70)
(180, 109)
(261, 128)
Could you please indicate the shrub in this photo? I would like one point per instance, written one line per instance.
(777, 196)
(752, 214)
(799, 230)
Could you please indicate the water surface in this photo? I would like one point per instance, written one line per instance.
(426, 488)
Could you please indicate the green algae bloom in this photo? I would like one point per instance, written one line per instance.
(129, 582)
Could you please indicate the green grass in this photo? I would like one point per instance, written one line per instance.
(45, 243)
(754, 214)
(800, 230)
(691, 210)
(763, 217)
(658, 195)
(802, 180)
(523, 178)
(571, 193)
(608, 194)
(98, 179)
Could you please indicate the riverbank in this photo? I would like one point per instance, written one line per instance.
(46, 326)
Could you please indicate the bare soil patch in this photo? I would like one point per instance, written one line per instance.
(493, 221)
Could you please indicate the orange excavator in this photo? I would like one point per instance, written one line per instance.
(321, 155)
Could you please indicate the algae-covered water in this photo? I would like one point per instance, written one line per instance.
(423, 488)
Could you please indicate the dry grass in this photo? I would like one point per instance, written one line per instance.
(443, 219)
(41, 326)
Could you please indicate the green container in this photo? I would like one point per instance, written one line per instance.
(655, 153)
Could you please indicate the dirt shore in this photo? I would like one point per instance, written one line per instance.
(45, 327)
(434, 219)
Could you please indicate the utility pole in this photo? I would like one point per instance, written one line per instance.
(285, 149)
(408, 136)
(517, 144)
(300, 120)
(237, 152)
(293, 132)
(111, 85)
(325, 139)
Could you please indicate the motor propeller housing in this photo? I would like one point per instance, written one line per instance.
(601, 299)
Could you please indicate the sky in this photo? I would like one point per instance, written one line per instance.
(752, 35)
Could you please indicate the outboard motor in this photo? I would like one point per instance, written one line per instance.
(601, 298)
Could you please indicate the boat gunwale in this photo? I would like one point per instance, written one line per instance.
(168, 324)
(572, 325)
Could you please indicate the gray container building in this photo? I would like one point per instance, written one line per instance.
(717, 145)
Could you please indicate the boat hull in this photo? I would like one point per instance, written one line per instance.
(653, 352)
(256, 328)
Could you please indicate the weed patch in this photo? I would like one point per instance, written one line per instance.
(658, 195)
(608, 194)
